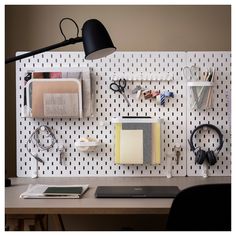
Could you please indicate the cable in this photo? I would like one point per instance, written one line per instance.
(35, 138)
(67, 18)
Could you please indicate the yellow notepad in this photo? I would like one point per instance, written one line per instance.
(131, 147)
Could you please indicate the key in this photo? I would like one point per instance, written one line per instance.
(177, 149)
(126, 99)
(177, 157)
(61, 149)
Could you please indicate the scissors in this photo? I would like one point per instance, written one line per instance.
(120, 87)
(192, 72)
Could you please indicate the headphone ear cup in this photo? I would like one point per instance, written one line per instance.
(211, 157)
(200, 156)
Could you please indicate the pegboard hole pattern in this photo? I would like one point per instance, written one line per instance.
(178, 120)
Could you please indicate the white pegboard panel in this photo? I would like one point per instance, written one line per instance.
(107, 105)
(218, 116)
(178, 118)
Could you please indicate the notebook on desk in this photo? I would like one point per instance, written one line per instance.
(136, 191)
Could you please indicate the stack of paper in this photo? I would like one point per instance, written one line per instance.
(54, 93)
(131, 146)
(137, 142)
(56, 98)
(54, 191)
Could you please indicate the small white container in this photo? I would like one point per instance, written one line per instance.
(201, 93)
(86, 144)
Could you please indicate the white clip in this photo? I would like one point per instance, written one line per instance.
(204, 170)
(177, 147)
(158, 99)
(169, 165)
(138, 95)
(35, 171)
(42, 128)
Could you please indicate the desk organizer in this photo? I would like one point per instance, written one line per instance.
(178, 119)
(54, 98)
(201, 94)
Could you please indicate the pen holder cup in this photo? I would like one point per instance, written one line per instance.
(201, 94)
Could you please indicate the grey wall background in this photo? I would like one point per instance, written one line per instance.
(132, 28)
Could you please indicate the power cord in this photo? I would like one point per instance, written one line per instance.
(35, 138)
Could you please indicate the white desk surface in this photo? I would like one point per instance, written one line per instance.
(88, 204)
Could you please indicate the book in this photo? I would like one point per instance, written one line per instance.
(63, 191)
(54, 191)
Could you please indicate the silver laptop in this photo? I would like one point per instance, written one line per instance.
(136, 191)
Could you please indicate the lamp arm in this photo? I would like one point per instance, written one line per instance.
(51, 47)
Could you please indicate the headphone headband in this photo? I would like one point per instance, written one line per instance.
(192, 148)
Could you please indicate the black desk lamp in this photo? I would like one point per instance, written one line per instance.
(96, 40)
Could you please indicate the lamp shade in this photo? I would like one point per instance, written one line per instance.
(96, 40)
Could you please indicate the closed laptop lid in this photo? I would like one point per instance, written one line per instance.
(136, 191)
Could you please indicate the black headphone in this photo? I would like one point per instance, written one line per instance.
(202, 155)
